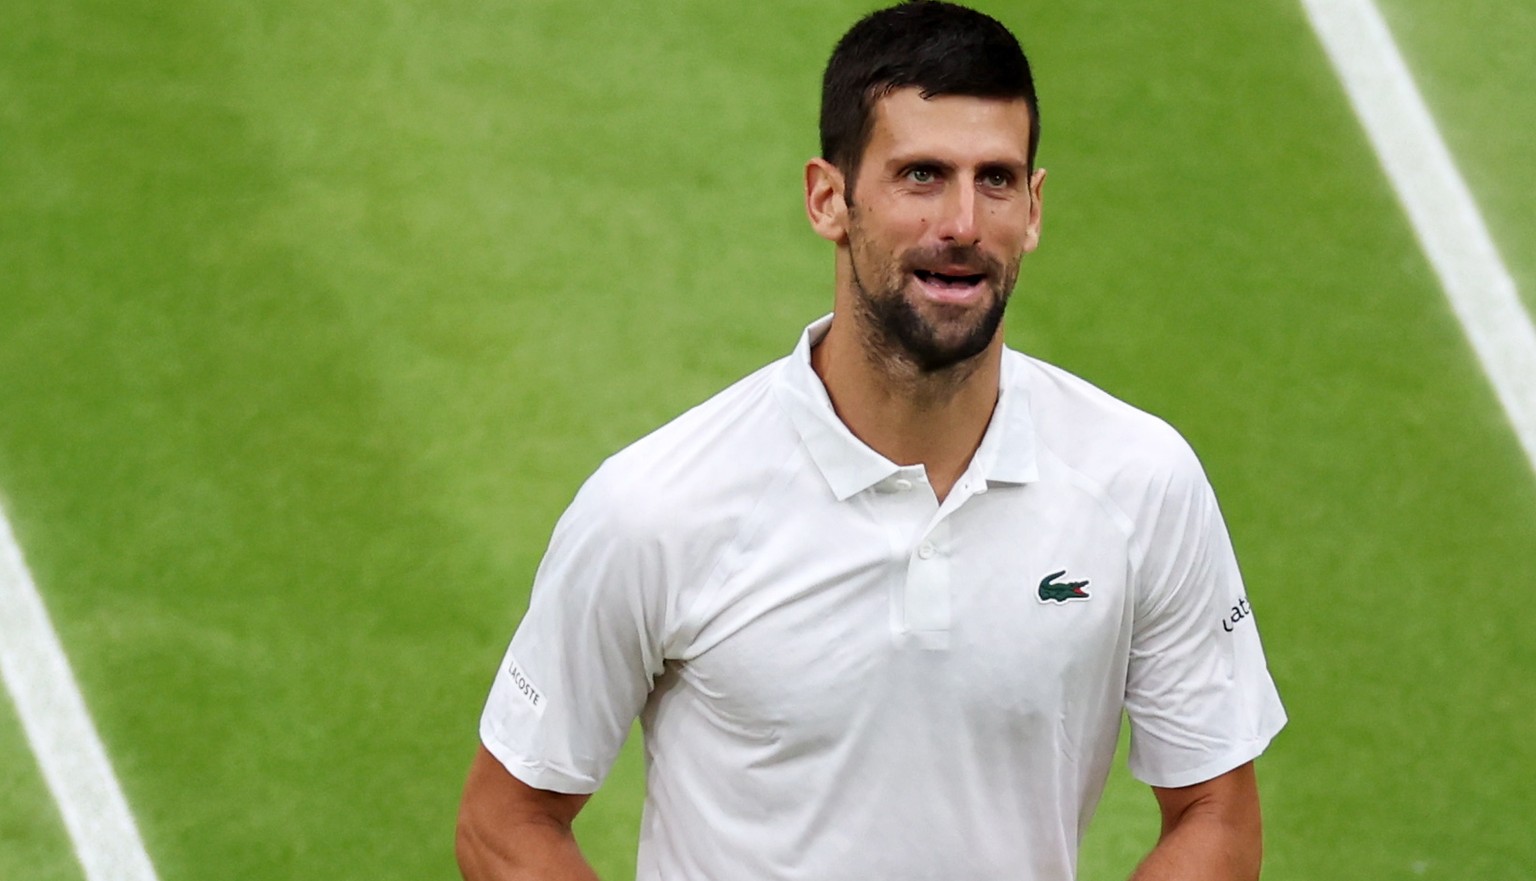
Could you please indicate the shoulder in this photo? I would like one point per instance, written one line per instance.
(1091, 429)
(697, 468)
(1133, 460)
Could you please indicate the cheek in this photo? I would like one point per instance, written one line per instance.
(1011, 228)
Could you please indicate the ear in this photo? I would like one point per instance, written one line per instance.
(1036, 196)
(824, 203)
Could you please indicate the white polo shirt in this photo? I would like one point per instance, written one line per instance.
(840, 678)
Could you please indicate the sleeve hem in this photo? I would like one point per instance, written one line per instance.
(539, 776)
(1240, 754)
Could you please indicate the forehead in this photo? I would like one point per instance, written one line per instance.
(949, 126)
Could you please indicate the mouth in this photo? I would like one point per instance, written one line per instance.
(951, 287)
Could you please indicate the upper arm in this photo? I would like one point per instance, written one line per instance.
(1211, 831)
(491, 792)
(585, 656)
(505, 822)
(1198, 691)
(1231, 799)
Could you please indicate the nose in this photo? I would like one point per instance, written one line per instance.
(958, 224)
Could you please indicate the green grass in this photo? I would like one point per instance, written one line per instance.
(1473, 66)
(30, 826)
(313, 318)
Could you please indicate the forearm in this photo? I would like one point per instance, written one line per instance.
(1204, 847)
(527, 852)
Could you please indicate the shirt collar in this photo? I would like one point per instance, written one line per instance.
(1006, 454)
(1007, 451)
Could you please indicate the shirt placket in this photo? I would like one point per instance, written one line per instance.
(921, 604)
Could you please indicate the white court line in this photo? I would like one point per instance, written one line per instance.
(1439, 205)
(59, 728)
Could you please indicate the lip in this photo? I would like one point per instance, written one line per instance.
(948, 293)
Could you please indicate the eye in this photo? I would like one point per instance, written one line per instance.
(996, 178)
(922, 174)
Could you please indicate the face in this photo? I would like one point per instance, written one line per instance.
(943, 211)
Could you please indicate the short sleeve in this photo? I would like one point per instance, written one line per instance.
(1199, 695)
(582, 662)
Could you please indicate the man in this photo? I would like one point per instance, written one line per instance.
(880, 605)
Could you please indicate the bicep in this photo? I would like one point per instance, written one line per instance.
(507, 827)
(1211, 831)
(493, 793)
(1231, 798)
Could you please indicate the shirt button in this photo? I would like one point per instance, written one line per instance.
(902, 484)
(925, 550)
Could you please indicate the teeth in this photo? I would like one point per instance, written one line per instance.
(952, 280)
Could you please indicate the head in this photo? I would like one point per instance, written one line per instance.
(929, 115)
(934, 47)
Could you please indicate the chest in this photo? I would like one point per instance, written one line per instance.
(1010, 612)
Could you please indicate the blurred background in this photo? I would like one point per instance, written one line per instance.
(314, 316)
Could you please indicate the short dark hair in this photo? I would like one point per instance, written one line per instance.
(940, 48)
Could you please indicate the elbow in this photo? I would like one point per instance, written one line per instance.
(468, 845)
(484, 848)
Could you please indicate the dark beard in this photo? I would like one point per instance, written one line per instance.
(900, 329)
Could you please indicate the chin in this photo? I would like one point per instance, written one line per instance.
(942, 344)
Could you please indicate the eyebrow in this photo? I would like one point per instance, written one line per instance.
(923, 160)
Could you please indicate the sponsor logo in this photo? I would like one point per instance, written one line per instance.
(1236, 615)
(1054, 591)
(525, 687)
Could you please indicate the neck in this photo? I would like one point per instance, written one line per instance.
(912, 417)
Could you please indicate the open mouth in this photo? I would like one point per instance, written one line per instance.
(946, 280)
(950, 282)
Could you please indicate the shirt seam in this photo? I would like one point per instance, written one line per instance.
(723, 565)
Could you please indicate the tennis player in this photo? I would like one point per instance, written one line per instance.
(881, 606)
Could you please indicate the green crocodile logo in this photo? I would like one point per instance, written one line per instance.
(1055, 591)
